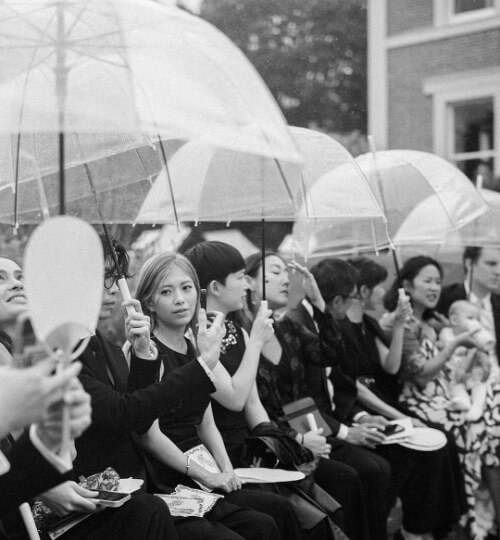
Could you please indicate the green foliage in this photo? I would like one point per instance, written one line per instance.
(311, 54)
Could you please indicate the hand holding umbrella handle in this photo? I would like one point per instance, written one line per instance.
(140, 343)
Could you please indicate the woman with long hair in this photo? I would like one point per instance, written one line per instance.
(426, 387)
(169, 292)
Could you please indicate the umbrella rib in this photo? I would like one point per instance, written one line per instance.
(170, 187)
(18, 145)
(39, 31)
(283, 178)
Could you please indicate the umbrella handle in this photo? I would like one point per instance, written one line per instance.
(65, 452)
(125, 292)
(29, 522)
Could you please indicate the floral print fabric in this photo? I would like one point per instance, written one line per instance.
(478, 442)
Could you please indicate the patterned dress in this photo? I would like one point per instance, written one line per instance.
(478, 443)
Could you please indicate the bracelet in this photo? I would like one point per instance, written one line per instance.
(188, 464)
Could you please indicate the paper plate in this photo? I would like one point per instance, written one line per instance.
(262, 475)
(426, 439)
(129, 485)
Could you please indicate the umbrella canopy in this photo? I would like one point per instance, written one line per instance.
(482, 231)
(81, 80)
(106, 189)
(211, 184)
(129, 66)
(404, 181)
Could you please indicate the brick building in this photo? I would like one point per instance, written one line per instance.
(434, 80)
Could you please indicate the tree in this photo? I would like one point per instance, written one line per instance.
(311, 54)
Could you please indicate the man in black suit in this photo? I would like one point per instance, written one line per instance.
(480, 286)
(350, 444)
(118, 414)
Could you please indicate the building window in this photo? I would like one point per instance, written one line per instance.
(452, 12)
(472, 139)
(466, 122)
(465, 6)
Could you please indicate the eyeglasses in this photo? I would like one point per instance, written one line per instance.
(109, 281)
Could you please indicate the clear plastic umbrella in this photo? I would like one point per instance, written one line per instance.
(482, 231)
(211, 184)
(404, 181)
(116, 72)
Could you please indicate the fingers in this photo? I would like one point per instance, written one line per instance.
(218, 321)
(61, 379)
(294, 265)
(84, 492)
(43, 368)
(132, 303)
(202, 319)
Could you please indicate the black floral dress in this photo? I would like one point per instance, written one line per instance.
(282, 383)
(478, 442)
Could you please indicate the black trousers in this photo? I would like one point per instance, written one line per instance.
(144, 517)
(228, 522)
(262, 500)
(375, 476)
(343, 483)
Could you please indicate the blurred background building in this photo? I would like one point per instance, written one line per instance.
(434, 80)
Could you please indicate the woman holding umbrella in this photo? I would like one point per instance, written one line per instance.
(426, 389)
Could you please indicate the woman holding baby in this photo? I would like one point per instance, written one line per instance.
(426, 372)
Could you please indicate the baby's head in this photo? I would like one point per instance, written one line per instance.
(460, 313)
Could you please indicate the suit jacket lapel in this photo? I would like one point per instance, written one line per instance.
(93, 360)
(118, 370)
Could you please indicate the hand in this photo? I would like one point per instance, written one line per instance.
(309, 285)
(438, 321)
(69, 497)
(262, 327)
(374, 421)
(138, 329)
(27, 394)
(316, 442)
(403, 311)
(77, 401)
(210, 337)
(225, 481)
(465, 339)
(365, 436)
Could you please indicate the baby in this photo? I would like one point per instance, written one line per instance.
(468, 368)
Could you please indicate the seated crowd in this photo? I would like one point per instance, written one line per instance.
(197, 393)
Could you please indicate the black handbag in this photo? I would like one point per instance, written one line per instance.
(315, 508)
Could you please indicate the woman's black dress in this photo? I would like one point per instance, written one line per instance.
(180, 426)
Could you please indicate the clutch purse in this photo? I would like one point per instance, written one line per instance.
(296, 414)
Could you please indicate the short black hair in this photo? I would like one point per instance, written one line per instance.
(335, 277)
(472, 254)
(371, 273)
(214, 260)
(120, 256)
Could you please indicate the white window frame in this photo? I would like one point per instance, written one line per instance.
(462, 87)
(444, 13)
